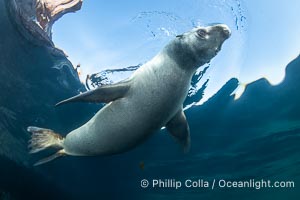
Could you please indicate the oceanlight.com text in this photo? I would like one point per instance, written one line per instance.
(214, 184)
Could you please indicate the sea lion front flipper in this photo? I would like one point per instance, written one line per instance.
(179, 129)
(102, 94)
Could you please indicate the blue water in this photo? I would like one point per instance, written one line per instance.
(253, 138)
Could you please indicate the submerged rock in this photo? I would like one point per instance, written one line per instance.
(49, 11)
(34, 76)
(34, 19)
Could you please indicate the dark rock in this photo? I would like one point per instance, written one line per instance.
(49, 11)
(34, 76)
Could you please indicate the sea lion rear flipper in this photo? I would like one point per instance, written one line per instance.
(41, 139)
(50, 158)
(103, 94)
(179, 129)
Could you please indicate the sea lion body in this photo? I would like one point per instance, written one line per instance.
(137, 107)
(155, 95)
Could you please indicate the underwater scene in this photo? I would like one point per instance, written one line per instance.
(179, 99)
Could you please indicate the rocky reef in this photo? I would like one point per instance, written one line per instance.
(30, 66)
(34, 18)
(34, 76)
(49, 11)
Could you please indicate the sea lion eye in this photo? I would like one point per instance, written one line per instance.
(202, 33)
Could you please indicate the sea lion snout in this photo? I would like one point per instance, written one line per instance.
(223, 29)
(226, 31)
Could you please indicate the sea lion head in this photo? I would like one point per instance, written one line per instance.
(198, 46)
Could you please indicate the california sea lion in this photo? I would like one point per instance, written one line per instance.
(150, 99)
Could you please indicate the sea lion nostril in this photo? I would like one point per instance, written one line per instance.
(223, 29)
(227, 32)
